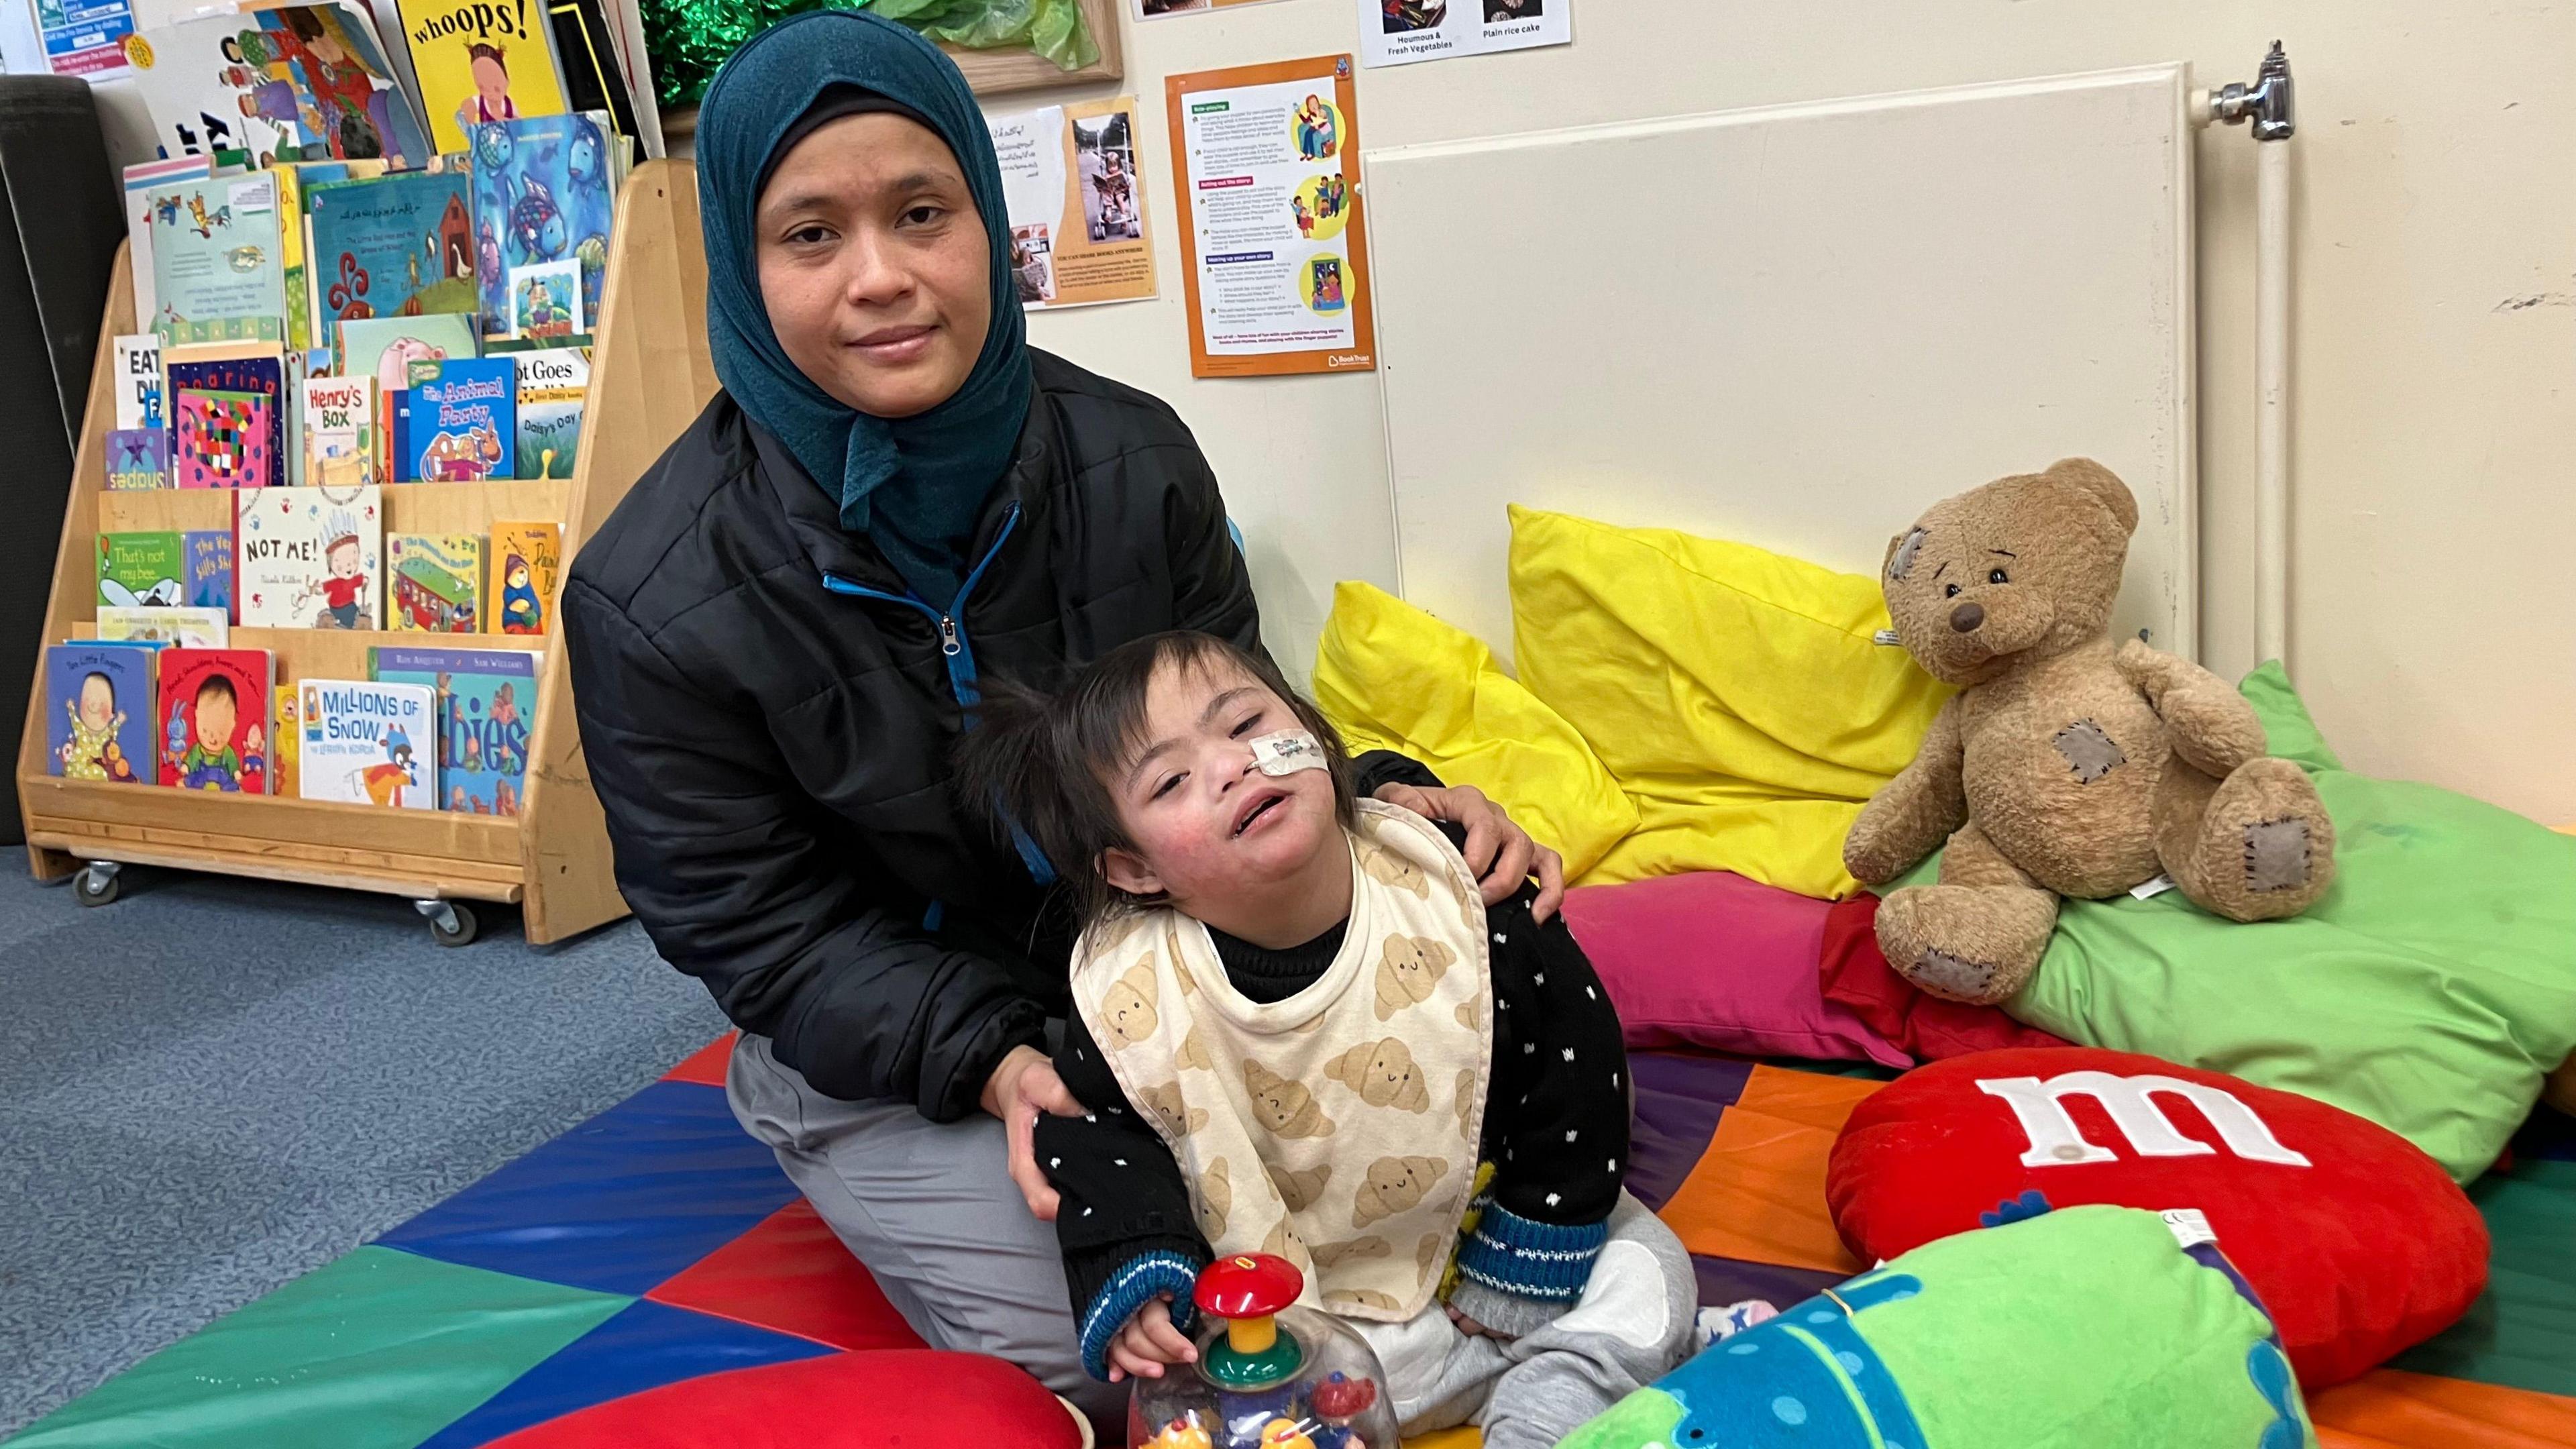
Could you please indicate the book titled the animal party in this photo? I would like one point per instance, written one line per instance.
(487, 707)
(234, 435)
(142, 570)
(437, 582)
(309, 558)
(544, 193)
(481, 61)
(363, 742)
(460, 423)
(527, 562)
(214, 720)
(553, 384)
(397, 244)
(98, 713)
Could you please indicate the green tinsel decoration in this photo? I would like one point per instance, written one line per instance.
(690, 38)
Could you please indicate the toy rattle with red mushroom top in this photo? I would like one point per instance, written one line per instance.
(1270, 1374)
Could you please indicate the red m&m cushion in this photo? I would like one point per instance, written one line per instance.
(2358, 1243)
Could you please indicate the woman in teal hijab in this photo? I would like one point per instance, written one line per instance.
(780, 633)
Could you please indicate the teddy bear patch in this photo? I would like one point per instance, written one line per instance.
(1383, 1073)
(1216, 1199)
(1164, 1102)
(2089, 752)
(1287, 1108)
(1395, 1185)
(1127, 1007)
(1409, 970)
(1300, 1189)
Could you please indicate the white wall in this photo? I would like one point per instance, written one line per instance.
(2434, 621)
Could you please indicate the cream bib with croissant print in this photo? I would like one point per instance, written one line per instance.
(1338, 1128)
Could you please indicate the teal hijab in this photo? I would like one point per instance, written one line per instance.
(914, 485)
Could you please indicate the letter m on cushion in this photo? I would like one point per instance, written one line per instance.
(2056, 1141)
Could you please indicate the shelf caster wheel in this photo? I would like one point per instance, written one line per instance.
(96, 885)
(451, 923)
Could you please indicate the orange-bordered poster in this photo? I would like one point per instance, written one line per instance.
(1266, 172)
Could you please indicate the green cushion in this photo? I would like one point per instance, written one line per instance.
(2430, 991)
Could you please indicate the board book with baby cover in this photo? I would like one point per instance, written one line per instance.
(364, 742)
(98, 712)
(437, 582)
(527, 563)
(402, 243)
(459, 424)
(214, 727)
(487, 703)
(481, 61)
(309, 558)
(226, 404)
(544, 195)
(142, 570)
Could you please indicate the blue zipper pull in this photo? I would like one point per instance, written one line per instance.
(948, 644)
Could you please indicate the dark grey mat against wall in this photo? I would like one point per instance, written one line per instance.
(212, 1087)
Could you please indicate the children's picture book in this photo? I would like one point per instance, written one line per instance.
(187, 628)
(527, 563)
(289, 707)
(219, 444)
(224, 439)
(309, 558)
(142, 570)
(367, 743)
(437, 582)
(487, 701)
(209, 581)
(214, 719)
(594, 67)
(544, 193)
(285, 83)
(217, 272)
(138, 458)
(553, 382)
(545, 300)
(138, 376)
(140, 180)
(460, 424)
(481, 62)
(395, 245)
(98, 713)
(383, 348)
(339, 431)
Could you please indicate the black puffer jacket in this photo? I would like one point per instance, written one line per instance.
(768, 718)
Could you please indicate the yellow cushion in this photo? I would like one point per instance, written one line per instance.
(1737, 694)
(1390, 676)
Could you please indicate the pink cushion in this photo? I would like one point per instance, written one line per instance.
(916, 1398)
(1713, 960)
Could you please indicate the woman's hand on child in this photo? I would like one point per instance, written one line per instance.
(1024, 1085)
(1148, 1342)
(1501, 854)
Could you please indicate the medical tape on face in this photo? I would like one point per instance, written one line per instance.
(1287, 752)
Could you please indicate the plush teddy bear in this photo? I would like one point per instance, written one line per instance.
(2065, 765)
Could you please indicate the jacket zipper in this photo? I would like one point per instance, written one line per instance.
(959, 653)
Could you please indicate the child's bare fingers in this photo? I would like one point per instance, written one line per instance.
(1136, 1364)
(1169, 1342)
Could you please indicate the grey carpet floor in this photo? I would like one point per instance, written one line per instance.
(212, 1086)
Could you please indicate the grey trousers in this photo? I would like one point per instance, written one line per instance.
(930, 1208)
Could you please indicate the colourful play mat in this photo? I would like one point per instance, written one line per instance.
(656, 1249)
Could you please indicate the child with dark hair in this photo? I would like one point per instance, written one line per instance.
(1298, 1030)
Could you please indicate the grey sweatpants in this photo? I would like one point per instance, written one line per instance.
(930, 1208)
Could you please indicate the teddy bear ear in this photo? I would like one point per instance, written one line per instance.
(2102, 483)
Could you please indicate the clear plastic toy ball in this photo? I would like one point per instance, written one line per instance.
(1269, 1376)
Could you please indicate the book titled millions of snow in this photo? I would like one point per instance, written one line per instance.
(366, 743)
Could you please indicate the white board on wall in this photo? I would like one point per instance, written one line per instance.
(1796, 326)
